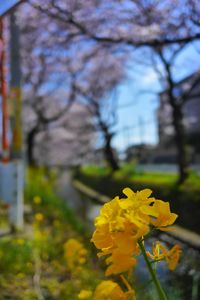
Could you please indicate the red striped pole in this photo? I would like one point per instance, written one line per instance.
(3, 91)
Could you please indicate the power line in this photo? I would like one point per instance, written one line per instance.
(126, 105)
(133, 126)
(128, 132)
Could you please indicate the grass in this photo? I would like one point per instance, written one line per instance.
(129, 171)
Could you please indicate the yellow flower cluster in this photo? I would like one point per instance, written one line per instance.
(162, 253)
(122, 223)
(75, 253)
(84, 294)
(37, 200)
(39, 217)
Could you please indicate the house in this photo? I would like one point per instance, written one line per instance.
(142, 153)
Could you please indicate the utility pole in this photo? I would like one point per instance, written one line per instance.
(12, 168)
(141, 129)
(17, 167)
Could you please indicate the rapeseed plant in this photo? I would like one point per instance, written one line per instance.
(121, 231)
(75, 254)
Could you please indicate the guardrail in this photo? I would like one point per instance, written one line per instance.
(92, 194)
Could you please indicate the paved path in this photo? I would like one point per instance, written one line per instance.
(164, 168)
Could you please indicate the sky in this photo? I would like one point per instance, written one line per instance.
(137, 122)
(7, 4)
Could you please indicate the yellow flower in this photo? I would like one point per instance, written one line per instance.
(123, 222)
(111, 214)
(119, 262)
(75, 253)
(109, 290)
(39, 217)
(84, 294)
(140, 207)
(136, 200)
(157, 252)
(171, 256)
(102, 237)
(164, 217)
(37, 200)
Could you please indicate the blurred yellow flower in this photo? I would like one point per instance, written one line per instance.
(21, 275)
(109, 290)
(172, 256)
(82, 260)
(56, 223)
(38, 235)
(20, 242)
(37, 200)
(29, 265)
(75, 253)
(84, 294)
(39, 217)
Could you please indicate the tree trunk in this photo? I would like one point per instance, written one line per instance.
(30, 146)
(109, 155)
(180, 141)
(108, 151)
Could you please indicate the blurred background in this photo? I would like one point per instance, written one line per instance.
(94, 76)
(96, 96)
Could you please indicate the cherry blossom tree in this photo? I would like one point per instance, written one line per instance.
(97, 91)
(135, 23)
(54, 68)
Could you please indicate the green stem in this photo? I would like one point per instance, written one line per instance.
(159, 289)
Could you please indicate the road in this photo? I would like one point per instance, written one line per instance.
(164, 168)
